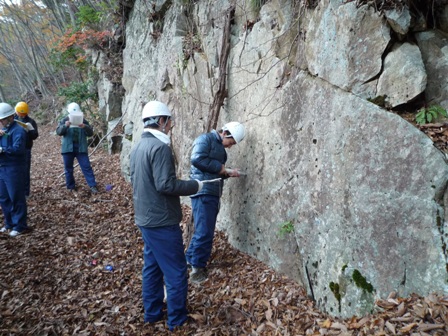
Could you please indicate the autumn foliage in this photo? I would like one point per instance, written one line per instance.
(85, 39)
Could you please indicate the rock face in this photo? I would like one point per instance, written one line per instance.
(360, 215)
(342, 195)
(345, 43)
(434, 46)
(404, 75)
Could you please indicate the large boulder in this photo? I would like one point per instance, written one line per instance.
(344, 43)
(404, 75)
(359, 189)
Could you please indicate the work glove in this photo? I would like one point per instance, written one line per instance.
(29, 127)
(232, 172)
(200, 185)
(212, 181)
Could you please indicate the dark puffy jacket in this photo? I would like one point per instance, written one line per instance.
(13, 145)
(156, 189)
(30, 135)
(207, 157)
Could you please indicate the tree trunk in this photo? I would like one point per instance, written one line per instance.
(218, 101)
(2, 94)
(221, 93)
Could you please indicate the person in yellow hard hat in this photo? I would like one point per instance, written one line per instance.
(22, 115)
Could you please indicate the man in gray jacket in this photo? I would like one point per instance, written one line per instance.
(158, 212)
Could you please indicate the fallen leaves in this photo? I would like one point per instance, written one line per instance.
(54, 281)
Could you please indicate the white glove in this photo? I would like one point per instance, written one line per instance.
(29, 127)
(212, 181)
(229, 171)
(200, 185)
(1, 149)
(232, 172)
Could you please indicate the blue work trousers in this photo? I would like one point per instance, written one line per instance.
(205, 210)
(28, 172)
(12, 197)
(84, 163)
(164, 260)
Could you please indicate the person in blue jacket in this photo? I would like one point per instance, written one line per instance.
(74, 145)
(12, 172)
(158, 214)
(208, 159)
(22, 115)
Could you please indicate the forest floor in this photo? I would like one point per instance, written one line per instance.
(54, 281)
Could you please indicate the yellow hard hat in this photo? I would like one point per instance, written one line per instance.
(22, 108)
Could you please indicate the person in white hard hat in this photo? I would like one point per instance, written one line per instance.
(12, 172)
(208, 159)
(158, 213)
(74, 145)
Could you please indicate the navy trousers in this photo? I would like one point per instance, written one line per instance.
(205, 211)
(12, 197)
(84, 163)
(164, 261)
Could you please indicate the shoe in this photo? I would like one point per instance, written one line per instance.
(198, 275)
(94, 190)
(175, 328)
(14, 233)
(3, 229)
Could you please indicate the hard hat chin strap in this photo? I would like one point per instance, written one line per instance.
(156, 121)
(151, 121)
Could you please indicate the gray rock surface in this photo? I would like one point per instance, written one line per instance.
(399, 19)
(344, 43)
(434, 47)
(404, 75)
(338, 189)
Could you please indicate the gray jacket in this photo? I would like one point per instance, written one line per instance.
(156, 188)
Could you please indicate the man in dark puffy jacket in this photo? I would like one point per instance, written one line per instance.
(208, 159)
(22, 116)
(12, 172)
(158, 212)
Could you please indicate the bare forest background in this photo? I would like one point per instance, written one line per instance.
(43, 59)
(43, 44)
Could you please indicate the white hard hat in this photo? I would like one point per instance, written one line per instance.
(73, 108)
(6, 110)
(155, 109)
(236, 130)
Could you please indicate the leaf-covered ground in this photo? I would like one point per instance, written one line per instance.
(54, 281)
